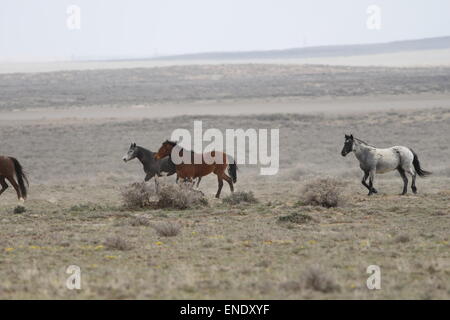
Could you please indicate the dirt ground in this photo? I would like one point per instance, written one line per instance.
(242, 251)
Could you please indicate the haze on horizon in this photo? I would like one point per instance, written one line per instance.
(37, 30)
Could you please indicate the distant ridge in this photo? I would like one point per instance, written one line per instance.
(321, 51)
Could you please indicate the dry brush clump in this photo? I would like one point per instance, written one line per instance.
(315, 278)
(117, 243)
(324, 192)
(137, 195)
(139, 221)
(181, 196)
(167, 229)
(240, 197)
(170, 196)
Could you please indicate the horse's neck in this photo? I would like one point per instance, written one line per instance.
(180, 150)
(145, 156)
(361, 149)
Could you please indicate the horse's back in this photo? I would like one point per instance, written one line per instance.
(391, 158)
(6, 166)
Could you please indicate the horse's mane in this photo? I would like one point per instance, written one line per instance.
(172, 143)
(362, 141)
(145, 150)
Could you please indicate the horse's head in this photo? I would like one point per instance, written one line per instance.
(165, 150)
(131, 153)
(348, 145)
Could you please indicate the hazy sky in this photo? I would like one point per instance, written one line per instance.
(37, 29)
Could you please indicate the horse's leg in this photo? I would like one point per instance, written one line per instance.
(16, 187)
(229, 180)
(3, 184)
(198, 182)
(157, 183)
(220, 181)
(405, 180)
(371, 181)
(363, 181)
(413, 183)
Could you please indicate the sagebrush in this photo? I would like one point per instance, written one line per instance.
(325, 192)
(167, 229)
(171, 196)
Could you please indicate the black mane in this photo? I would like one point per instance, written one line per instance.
(172, 143)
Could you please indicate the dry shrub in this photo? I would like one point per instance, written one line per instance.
(117, 243)
(19, 209)
(181, 196)
(239, 197)
(137, 195)
(403, 238)
(315, 278)
(167, 229)
(325, 192)
(139, 221)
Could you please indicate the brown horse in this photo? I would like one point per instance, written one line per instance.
(10, 167)
(190, 171)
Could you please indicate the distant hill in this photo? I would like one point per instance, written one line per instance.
(322, 51)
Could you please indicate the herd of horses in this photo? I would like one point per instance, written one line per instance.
(372, 160)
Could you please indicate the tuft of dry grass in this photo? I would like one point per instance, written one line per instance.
(315, 278)
(180, 197)
(240, 197)
(117, 243)
(139, 221)
(403, 238)
(169, 196)
(167, 229)
(19, 209)
(137, 195)
(324, 192)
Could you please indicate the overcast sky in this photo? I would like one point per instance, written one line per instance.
(31, 29)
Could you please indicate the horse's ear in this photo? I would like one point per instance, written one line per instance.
(347, 137)
(134, 144)
(351, 136)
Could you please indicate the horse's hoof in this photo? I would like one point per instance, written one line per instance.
(370, 193)
(374, 191)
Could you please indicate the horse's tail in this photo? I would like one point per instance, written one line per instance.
(416, 163)
(21, 177)
(232, 171)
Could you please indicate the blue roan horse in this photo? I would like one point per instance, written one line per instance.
(374, 160)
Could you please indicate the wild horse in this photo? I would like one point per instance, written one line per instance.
(374, 160)
(152, 167)
(193, 170)
(10, 168)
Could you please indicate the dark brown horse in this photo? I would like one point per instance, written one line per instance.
(10, 168)
(192, 170)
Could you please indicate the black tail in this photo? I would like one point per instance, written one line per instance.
(232, 171)
(21, 177)
(416, 163)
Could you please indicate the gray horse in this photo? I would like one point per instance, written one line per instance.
(374, 160)
(152, 167)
